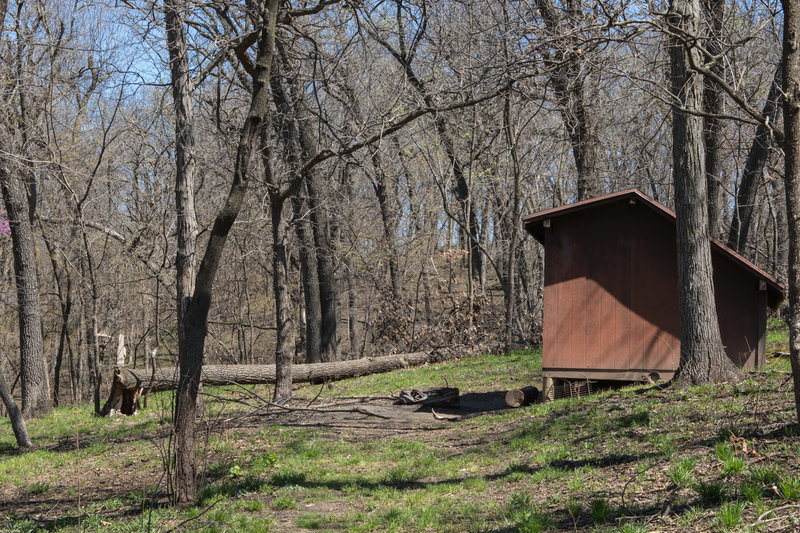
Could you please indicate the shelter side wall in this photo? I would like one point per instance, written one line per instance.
(611, 299)
(654, 299)
(603, 308)
(739, 308)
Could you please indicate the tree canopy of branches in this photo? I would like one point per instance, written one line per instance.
(271, 182)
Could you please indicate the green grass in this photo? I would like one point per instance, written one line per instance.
(777, 335)
(682, 472)
(730, 515)
(552, 467)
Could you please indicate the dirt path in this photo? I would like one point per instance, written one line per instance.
(106, 486)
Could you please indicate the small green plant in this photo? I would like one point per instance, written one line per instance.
(39, 488)
(682, 472)
(731, 463)
(729, 515)
(576, 483)
(575, 510)
(253, 505)
(710, 492)
(665, 444)
(640, 418)
(733, 466)
(520, 500)
(399, 475)
(750, 492)
(763, 475)
(264, 462)
(235, 471)
(283, 479)
(691, 516)
(790, 488)
(527, 519)
(724, 451)
(242, 523)
(283, 502)
(311, 521)
(533, 522)
(601, 510)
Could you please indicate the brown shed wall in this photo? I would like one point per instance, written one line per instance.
(610, 302)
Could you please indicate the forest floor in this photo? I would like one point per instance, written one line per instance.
(641, 458)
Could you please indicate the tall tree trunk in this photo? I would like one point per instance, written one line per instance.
(290, 129)
(703, 358)
(514, 214)
(791, 148)
(754, 170)
(568, 75)
(196, 311)
(17, 421)
(64, 290)
(386, 193)
(714, 11)
(63, 339)
(352, 292)
(88, 271)
(36, 399)
(185, 470)
(309, 276)
(326, 270)
(284, 350)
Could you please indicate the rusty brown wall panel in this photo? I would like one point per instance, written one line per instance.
(656, 301)
(550, 311)
(608, 310)
(594, 318)
(761, 355)
(611, 299)
(738, 310)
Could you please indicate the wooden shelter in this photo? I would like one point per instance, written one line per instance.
(610, 292)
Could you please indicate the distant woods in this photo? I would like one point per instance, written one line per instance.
(380, 183)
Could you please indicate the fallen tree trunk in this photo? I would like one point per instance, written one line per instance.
(130, 383)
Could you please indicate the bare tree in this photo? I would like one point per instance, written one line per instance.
(568, 73)
(753, 173)
(791, 148)
(186, 396)
(19, 202)
(703, 358)
(714, 14)
(195, 322)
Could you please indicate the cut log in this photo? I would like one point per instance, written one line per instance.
(128, 383)
(523, 396)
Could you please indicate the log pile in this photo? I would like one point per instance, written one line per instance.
(441, 397)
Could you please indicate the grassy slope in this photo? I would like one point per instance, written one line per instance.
(628, 460)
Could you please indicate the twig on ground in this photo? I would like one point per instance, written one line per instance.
(204, 511)
(625, 487)
(314, 399)
(761, 520)
(458, 418)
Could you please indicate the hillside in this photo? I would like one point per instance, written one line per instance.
(635, 459)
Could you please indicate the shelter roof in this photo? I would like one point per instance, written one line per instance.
(536, 223)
